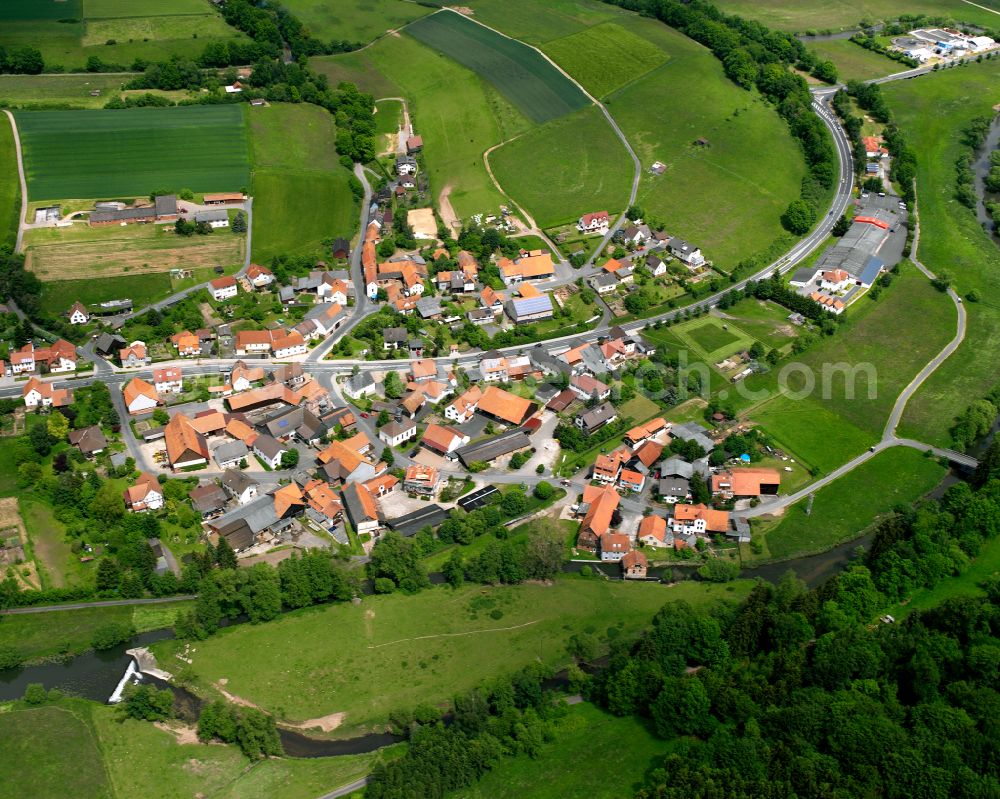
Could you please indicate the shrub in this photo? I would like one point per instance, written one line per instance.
(111, 635)
(35, 694)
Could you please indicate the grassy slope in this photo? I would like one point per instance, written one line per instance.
(301, 191)
(10, 187)
(726, 197)
(853, 61)
(394, 651)
(535, 22)
(47, 750)
(40, 635)
(74, 154)
(911, 311)
(580, 737)
(354, 21)
(565, 168)
(820, 14)
(932, 111)
(844, 508)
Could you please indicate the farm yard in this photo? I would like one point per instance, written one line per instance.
(302, 193)
(518, 72)
(84, 253)
(564, 168)
(354, 21)
(68, 32)
(133, 152)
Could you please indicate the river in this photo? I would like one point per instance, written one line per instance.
(981, 169)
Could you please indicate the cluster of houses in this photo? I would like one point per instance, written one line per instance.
(58, 358)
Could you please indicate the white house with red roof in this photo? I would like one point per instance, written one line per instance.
(168, 380)
(223, 288)
(596, 222)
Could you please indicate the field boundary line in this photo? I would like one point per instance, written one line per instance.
(455, 635)
(984, 8)
(24, 183)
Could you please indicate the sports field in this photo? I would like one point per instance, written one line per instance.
(68, 32)
(564, 168)
(133, 152)
(46, 750)
(355, 20)
(519, 73)
(397, 651)
(301, 191)
(726, 195)
(819, 15)
(931, 111)
(10, 186)
(853, 61)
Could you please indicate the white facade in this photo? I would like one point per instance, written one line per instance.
(225, 293)
(141, 404)
(78, 317)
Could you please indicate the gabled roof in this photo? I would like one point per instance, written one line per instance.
(137, 387)
(441, 437)
(603, 502)
(504, 405)
(716, 521)
(655, 526)
(182, 440)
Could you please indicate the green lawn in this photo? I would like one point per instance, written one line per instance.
(842, 510)
(726, 197)
(355, 21)
(868, 347)
(50, 751)
(708, 335)
(397, 651)
(133, 152)
(565, 168)
(518, 72)
(853, 61)
(584, 732)
(932, 111)
(820, 15)
(41, 635)
(10, 187)
(142, 289)
(302, 193)
(640, 408)
(57, 564)
(765, 321)
(458, 115)
(605, 57)
(535, 22)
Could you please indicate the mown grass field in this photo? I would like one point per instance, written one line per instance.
(302, 193)
(85, 253)
(765, 321)
(518, 72)
(932, 111)
(842, 510)
(534, 22)
(819, 15)
(564, 168)
(354, 20)
(865, 353)
(68, 33)
(49, 751)
(728, 196)
(583, 732)
(710, 340)
(133, 152)
(142, 289)
(64, 91)
(853, 62)
(457, 113)
(10, 186)
(398, 651)
(605, 57)
(41, 635)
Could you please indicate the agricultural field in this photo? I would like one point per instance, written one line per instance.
(458, 115)
(68, 32)
(587, 54)
(854, 62)
(47, 749)
(932, 111)
(358, 68)
(818, 15)
(66, 91)
(564, 168)
(711, 194)
(142, 289)
(535, 22)
(358, 21)
(133, 152)
(518, 72)
(397, 651)
(584, 730)
(910, 310)
(84, 253)
(302, 193)
(842, 510)
(10, 186)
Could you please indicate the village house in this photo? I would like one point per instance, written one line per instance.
(185, 445)
(269, 450)
(698, 520)
(746, 482)
(215, 218)
(686, 252)
(133, 356)
(654, 428)
(603, 283)
(443, 439)
(240, 486)
(631, 480)
(360, 385)
(395, 337)
(421, 479)
(600, 506)
(259, 276)
(89, 440)
(464, 407)
(77, 314)
(37, 393)
(533, 267)
(145, 494)
(223, 288)
(588, 387)
(243, 377)
(596, 418)
(230, 454)
(607, 467)
(395, 433)
(492, 300)
(361, 509)
(614, 547)
(168, 380)
(209, 499)
(140, 396)
(653, 532)
(596, 222)
(187, 344)
(634, 565)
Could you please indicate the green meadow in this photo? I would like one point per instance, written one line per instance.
(853, 61)
(133, 152)
(535, 22)
(10, 186)
(354, 21)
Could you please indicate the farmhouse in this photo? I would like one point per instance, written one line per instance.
(259, 276)
(746, 482)
(224, 198)
(216, 218)
(463, 408)
(600, 504)
(133, 356)
(653, 531)
(168, 380)
(686, 252)
(532, 267)
(187, 344)
(140, 396)
(77, 314)
(596, 222)
(442, 439)
(698, 520)
(146, 494)
(588, 387)
(185, 445)
(504, 406)
(361, 508)
(39, 393)
(163, 209)
(223, 288)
